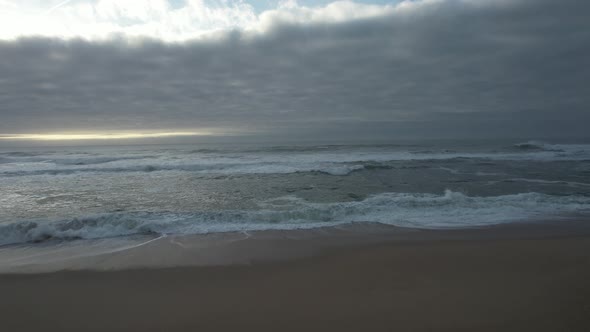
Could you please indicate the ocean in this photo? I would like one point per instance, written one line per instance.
(58, 194)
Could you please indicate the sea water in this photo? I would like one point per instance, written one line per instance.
(75, 193)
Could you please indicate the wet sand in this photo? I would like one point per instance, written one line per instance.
(529, 277)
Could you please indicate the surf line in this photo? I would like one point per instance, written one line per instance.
(53, 253)
(136, 245)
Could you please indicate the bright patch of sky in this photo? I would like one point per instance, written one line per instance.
(174, 20)
(262, 5)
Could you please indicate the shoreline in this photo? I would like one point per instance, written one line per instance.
(517, 277)
(249, 247)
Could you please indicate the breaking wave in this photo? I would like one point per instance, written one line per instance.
(531, 145)
(449, 210)
(332, 160)
(97, 160)
(223, 169)
(570, 149)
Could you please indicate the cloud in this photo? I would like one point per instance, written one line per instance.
(101, 19)
(159, 19)
(421, 68)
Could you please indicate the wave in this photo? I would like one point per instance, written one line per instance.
(531, 145)
(305, 148)
(97, 160)
(419, 210)
(477, 173)
(23, 154)
(332, 162)
(222, 169)
(564, 148)
(227, 166)
(548, 182)
(205, 151)
(75, 159)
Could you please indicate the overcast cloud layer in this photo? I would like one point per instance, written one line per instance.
(450, 68)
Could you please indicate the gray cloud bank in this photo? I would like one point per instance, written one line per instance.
(452, 69)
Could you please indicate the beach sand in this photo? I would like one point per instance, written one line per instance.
(521, 277)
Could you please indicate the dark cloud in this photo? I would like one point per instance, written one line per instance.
(451, 69)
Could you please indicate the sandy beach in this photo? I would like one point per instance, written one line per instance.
(524, 277)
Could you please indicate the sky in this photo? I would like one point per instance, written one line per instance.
(309, 70)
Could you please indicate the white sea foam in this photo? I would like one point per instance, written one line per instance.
(449, 210)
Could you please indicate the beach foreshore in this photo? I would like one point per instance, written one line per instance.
(361, 277)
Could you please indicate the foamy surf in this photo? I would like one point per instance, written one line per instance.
(61, 194)
(449, 210)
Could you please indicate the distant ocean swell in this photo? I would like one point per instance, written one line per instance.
(222, 169)
(449, 210)
(332, 161)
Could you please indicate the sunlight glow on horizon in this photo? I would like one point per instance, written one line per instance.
(99, 136)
